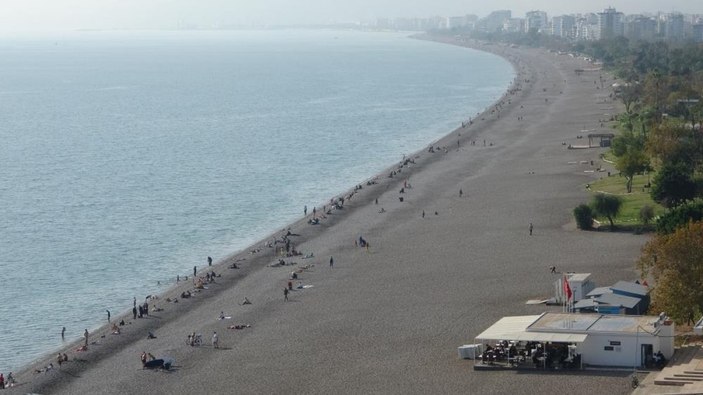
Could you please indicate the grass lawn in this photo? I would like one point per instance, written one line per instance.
(631, 202)
(609, 156)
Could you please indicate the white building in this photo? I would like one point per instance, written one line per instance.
(564, 26)
(599, 340)
(610, 24)
(579, 283)
(536, 21)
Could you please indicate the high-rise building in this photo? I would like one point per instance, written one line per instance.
(494, 21)
(674, 27)
(586, 27)
(536, 21)
(698, 32)
(514, 25)
(564, 26)
(610, 24)
(640, 27)
(456, 22)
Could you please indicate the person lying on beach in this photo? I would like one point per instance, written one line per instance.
(233, 266)
(115, 329)
(239, 326)
(46, 369)
(246, 301)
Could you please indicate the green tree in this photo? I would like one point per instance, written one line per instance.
(629, 148)
(672, 141)
(673, 184)
(691, 211)
(655, 92)
(607, 206)
(583, 216)
(630, 163)
(629, 94)
(675, 263)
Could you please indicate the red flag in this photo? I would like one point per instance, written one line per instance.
(567, 289)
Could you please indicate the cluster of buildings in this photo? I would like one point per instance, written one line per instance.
(592, 26)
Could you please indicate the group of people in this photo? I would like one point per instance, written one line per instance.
(141, 310)
(10, 382)
(61, 358)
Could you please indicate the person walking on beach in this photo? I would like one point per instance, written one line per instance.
(531, 228)
(85, 335)
(461, 193)
(209, 261)
(108, 316)
(305, 210)
(63, 333)
(331, 261)
(195, 271)
(215, 340)
(285, 294)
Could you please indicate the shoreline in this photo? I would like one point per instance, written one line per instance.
(255, 264)
(221, 263)
(221, 266)
(244, 253)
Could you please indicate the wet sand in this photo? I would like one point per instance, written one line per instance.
(390, 319)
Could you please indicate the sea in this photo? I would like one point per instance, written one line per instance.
(128, 157)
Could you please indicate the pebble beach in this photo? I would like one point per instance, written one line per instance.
(441, 267)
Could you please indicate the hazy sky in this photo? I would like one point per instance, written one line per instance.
(27, 15)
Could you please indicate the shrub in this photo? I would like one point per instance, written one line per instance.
(584, 216)
(646, 214)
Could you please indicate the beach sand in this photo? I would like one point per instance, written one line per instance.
(390, 319)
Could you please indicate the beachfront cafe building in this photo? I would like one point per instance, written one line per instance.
(570, 340)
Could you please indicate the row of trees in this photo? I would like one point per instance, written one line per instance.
(660, 131)
(662, 91)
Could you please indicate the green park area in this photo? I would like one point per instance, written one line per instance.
(632, 203)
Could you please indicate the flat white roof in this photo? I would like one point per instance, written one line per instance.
(579, 277)
(567, 327)
(515, 328)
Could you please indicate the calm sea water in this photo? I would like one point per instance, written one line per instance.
(128, 158)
